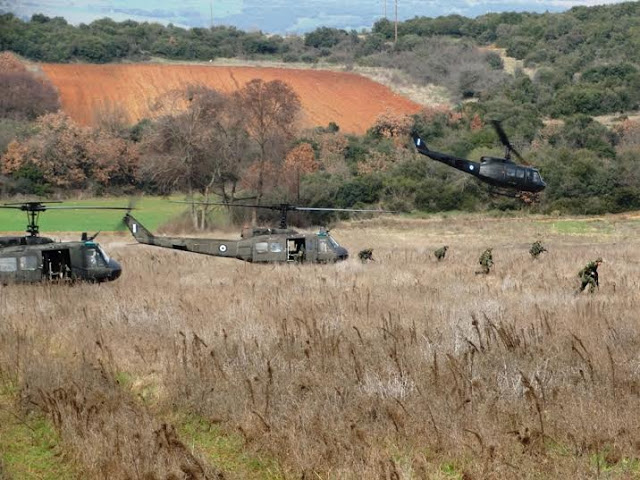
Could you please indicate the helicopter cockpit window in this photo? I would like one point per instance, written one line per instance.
(261, 247)
(275, 247)
(536, 177)
(323, 245)
(94, 258)
(511, 171)
(8, 264)
(520, 173)
(29, 263)
(334, 244)
(104, 254)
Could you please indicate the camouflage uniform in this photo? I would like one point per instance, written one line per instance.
(589, 276)
(441, 252)
(536, 249)
(486, 261)
(301, 254)
(366, 255)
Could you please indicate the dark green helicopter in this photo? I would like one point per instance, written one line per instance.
(32, 258)
(259, 244)
(504, 174)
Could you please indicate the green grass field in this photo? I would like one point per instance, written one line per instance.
(151, 211)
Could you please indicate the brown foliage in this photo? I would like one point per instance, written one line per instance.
(267, 173)
(73, 157)
(376, 162)
(332, 152)
(111, 118)
(25, 97)
(629, 133)
(393, 125)
(10, 63)
(270, 110)
(300, 160)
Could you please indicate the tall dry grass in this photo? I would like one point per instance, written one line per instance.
(394, 369)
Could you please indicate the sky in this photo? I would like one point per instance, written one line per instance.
(275, 16)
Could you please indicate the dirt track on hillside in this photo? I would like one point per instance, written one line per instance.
(350, 100)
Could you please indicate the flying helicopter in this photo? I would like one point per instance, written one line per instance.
(259, 244)
(504, 174)
(32, 258)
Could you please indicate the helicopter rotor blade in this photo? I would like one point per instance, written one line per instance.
(505, 140)
(88, 207)
(38, 207)
(321, 209)
(292, 207)
(247, 205)
(31, 203)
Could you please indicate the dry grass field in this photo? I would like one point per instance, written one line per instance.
(192, 367)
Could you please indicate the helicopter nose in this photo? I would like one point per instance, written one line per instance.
(342, 253)
(115, 270)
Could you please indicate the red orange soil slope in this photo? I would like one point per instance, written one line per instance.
(350, 100)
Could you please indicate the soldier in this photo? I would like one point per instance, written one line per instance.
(441, 252)
(589, 275)
(301, 254)
(366, 255)
(536, 249)
(486, 261)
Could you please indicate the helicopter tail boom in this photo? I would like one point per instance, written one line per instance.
(462, 164)
(207, 246)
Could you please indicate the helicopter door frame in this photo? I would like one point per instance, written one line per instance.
(299, 251)
(56, 263)
(528, 177)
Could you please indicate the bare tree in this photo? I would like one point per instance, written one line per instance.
(271, 110)
(198, 150)
(112, 117)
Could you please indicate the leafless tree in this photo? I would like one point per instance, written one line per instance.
(271, 110)
(199, 150)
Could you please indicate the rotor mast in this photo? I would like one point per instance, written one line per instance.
(32, 226)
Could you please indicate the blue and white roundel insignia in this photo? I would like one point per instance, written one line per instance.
(470, 167)
(222, 248)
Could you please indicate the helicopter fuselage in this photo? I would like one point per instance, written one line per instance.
(35, 259)
(260, 245)
(502, 172)
(498, 172)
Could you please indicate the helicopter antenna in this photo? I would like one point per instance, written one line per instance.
(285, 208)
(33, 210)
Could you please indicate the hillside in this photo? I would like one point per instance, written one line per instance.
(350, 100)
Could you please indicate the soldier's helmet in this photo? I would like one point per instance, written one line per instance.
(599, 260)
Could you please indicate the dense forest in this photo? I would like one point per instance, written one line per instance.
(578, 65)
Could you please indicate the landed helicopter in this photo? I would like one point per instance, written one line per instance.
(32, 258)
(259, 244)
(504, 174)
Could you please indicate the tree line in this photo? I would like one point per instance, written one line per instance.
(248, 146)
(586, 60)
